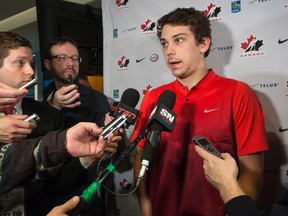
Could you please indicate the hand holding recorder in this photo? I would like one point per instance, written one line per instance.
(15, 127)
(30, 84)
(221, 173)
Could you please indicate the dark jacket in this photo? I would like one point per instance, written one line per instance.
(50, 119)
(22, 161)
(94, 106)
(244, 206)
(73, 178)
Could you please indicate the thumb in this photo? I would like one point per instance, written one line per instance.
(226, 156)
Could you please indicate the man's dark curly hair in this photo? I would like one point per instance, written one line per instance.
(199, 24)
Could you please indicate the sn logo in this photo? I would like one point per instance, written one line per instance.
(167, 115)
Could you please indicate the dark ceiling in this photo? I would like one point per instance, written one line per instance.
(11, 7)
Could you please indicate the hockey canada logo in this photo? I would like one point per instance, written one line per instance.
(252, 47)
(212, 12)
(125, 185)
(121, 3)
(148, 27)
(123, 63)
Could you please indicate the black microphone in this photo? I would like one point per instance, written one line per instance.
(123, 111)
(126, 106)
(161, 119)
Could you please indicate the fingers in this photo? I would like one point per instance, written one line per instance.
(203, 153)
(10, 97)
(70, 204)
(18, 116)
(64, 208)
(226, 156)
(108, 119)
(66, 97)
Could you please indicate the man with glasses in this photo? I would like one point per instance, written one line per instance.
(75, 100)
(77, 103)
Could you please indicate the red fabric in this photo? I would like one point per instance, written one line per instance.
(228, 114)
(9, 111)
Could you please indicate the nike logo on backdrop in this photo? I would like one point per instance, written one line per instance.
(139, 60)
(210, 110)
(282, 41)
(282, 130)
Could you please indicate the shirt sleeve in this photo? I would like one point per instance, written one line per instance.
(249, 121)
(30, 159)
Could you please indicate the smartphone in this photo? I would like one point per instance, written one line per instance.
(30, 84)
(33, 118)
(70, 80)
(205, 144)
(113, 125)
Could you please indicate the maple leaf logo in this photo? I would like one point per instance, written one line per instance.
(144, 26)
(209, 7)
(125, 185)
(245, 45)
(123, 182)
(123, 62)
(148, 88)
(121, 3)
(209, 12)
(249, 46)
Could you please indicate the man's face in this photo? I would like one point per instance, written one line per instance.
(17, 67)
(183, 55)
(63, 68)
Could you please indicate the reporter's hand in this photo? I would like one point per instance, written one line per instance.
(110, 149)
(13, 128)
(65, 97)
(10, 96)
(66, 207)
(217, 171)
(221, 173)
(83, 139)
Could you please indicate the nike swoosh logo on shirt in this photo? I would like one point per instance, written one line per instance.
(210, 110)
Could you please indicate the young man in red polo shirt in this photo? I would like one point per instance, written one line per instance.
(224, 110)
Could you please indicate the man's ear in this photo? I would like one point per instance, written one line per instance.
(47, 64)
(205, 44)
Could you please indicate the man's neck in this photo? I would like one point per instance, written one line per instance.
(193, 79)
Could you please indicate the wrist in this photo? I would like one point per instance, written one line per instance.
(229, 190)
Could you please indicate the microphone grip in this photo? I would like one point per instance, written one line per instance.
(144, 168)
(150, 148)
(85, 198)
(79, 208)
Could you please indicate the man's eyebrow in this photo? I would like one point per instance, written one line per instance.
(174, 36)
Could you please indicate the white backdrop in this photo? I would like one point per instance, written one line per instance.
(249, 43)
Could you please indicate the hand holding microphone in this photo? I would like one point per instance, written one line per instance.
(126, 106)
(123, 111)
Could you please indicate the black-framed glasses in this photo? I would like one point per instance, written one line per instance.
(64, 58)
